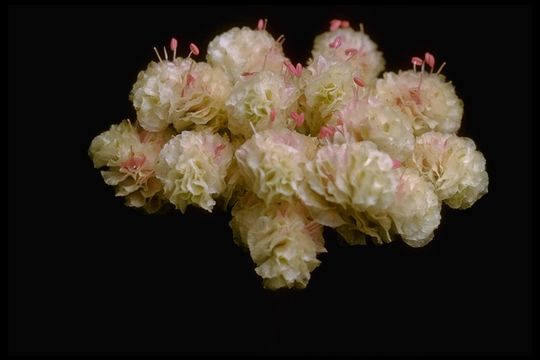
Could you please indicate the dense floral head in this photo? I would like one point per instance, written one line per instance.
(130, 154)
(192, 167)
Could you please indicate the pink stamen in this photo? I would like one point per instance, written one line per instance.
(299, 69)
(430, 60)
(219, 149)
(174, 45)
(359, 81)
(260, 24)
(298, 118)
(272, 115)
(351, 52)
(134, 163)
(194, 49)
(290, 68)
(396, 164)
(326, 131)
(345, 24)
(190, 80)
(336, 43)
(335, 24)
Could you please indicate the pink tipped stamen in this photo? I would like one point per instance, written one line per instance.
(298, 118)
(260, 24)
(430, 60)
(326, 131)
(336, 43)
(345, 24)
(335, 24)
(396, 164)
(272, 115)
(194, 49)
(174, 46)
(359, 81)
(134, 163)
(416, 61)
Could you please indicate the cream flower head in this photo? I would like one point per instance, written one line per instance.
(453, 165)
(329, 88)
(416, 210)
(182, 93)
(282, 240)
(434, 107)
(271, 163)
(203, 98)
(130, 155)
(192, 167)
(244, 51)
(263, 101)
(354, 175)
(384, 125)
(347, 45)
(157, 92)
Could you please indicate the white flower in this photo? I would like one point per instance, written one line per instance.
(416, 210)
(271, 163)
(263, 101)
(434, 107)
(157, 93)
(355, 47)
(242, 51)
(203, 99)
(384, 125)
(354, 175)
(329, 88)
(453, 165)
(130, 155)
(182, 93)
(192, 167)
(282, 240)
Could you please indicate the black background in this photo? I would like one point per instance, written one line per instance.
(88, 275)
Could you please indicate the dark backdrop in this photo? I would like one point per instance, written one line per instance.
(88, 275)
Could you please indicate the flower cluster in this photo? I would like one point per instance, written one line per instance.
(290, 149)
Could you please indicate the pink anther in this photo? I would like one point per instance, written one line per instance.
(345, 24)
(190, 80)
(298, 118)
(336, 42)
(416, 61)
(174, 44)
(396, 164)
(260, 24)
(134, 163)
(335, 24)
(359, 81)
(194, 49)
(272, 115)
(326, 131)
(430, 60)
(351, 52)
